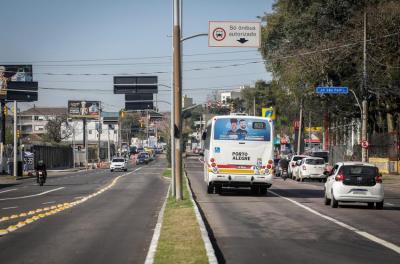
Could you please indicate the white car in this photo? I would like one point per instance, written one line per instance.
(310, 167)
(354, 182)
(292, 164)
(119, 164)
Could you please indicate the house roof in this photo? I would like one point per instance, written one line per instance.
(53, 111)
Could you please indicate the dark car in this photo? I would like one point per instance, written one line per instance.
(143, 158)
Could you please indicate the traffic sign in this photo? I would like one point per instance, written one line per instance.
(364, 144)
(139, 105)
(22, 91)
(234, 34)
(331, 90)
(135, 84)
(139, 97)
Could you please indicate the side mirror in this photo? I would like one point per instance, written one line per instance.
(204, 135)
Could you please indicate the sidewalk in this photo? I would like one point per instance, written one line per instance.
(391, 182)
(9, 179)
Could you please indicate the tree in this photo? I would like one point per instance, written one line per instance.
(54, 128)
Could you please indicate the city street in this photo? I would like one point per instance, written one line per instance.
(104, 218)
(292, 225)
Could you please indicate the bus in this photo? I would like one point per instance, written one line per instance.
(238, 152)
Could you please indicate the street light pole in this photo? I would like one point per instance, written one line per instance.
(177, 103)
(364, 118)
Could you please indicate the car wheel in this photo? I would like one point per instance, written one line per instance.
(334, 202)
(111, 170)
(126, 170)
(379, 206)
(370, 205)
(327, 200)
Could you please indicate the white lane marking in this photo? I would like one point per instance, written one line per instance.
(11, 207)
(373, 238)
(8, 190)
(78, 197)
(138, 169)
(156, 235)
(49, 202)
(390, 204)
(33, 195)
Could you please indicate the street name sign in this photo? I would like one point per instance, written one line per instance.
(331, 90)
(234, 34)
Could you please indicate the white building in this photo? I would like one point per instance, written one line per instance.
(226, 96)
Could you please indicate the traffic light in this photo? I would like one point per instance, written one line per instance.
(5, 110)
(18, 133)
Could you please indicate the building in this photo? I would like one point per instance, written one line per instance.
(226, 96)
(32, 122)
(187, 101)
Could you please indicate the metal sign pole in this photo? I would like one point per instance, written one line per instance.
(15, 139)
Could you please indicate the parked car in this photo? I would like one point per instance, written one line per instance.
(292, 163)
(311, 168)
(143, 158)
(354, 182)
(119, 163)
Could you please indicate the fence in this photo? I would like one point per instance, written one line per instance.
(55, 157)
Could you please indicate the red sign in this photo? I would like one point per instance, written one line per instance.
(364, 144)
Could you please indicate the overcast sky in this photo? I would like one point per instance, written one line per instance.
(105, 38)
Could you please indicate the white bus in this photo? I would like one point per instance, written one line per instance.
(238, 152)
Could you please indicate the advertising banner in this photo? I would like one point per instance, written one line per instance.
(13, 73)
(247, 129)
(84, 109)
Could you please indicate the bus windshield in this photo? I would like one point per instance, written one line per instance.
(243, 129)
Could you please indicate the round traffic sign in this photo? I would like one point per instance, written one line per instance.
(364, 144)
(219, 34)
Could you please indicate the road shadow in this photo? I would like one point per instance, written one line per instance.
(299, 193)
(5, 185)
(239, 192)
(361, 206)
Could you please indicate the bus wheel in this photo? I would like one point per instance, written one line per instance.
(210, 188)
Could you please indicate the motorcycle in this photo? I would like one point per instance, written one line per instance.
(284, 174)
(41, 177)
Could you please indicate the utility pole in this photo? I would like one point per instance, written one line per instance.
(309, 130)
(85, 145)
(254, 105)
(3, 135)
(300, 126)
(108, 144)
(177, 103)
(364, 118)
(15, 139)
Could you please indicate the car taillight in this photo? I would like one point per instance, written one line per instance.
(269, 166)
(340, 177)
(378, 179)
(304, 167)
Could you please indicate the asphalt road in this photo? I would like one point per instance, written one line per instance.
(104, 217)
(292, 225)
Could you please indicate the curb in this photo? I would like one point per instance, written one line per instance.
(157, 231)
(212, 259)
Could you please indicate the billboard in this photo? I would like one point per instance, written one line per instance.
(13, 73)
(84, 109)
(247, 129)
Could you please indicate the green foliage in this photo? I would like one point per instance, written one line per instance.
(311, 43)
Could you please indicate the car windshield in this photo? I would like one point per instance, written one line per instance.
(118, 160)
(296, 158)
(315, 161)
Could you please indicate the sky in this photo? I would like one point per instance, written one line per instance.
(102, 38)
